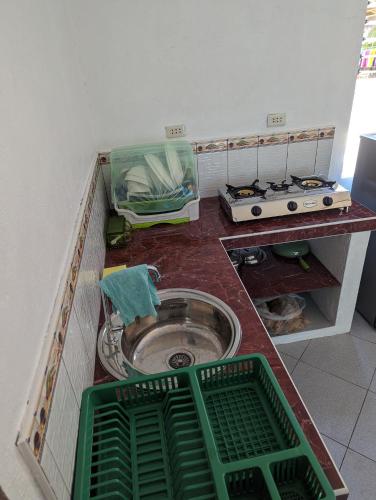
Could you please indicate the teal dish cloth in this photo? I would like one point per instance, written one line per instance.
(132, 293)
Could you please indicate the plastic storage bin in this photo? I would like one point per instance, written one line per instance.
(154, 183)
(222, 430)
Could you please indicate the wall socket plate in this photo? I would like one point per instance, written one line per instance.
(175, 131)
(276, 119)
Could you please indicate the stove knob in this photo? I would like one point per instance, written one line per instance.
(256, 211)
(328, 201)
(292, 206)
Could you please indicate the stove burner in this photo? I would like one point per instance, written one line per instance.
(313, 182)
(246, 192)
(250, 191)
(281, 186)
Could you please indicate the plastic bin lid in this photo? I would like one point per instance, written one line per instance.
(153, 178)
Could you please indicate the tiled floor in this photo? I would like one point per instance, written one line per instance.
(337, 381)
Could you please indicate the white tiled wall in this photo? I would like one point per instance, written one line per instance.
(266, 162)
(301, 158)
(324, 154)
(242, 166)
(76, 358)
(106, 169)
(212, 172)
(76, 371)
(272, 162)
(63, 426)
(54, 475)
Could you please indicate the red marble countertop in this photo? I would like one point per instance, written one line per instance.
(193, 256)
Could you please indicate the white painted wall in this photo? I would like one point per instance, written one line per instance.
(219, 66)
(46, 150)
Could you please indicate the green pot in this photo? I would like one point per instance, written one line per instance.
(293, 250)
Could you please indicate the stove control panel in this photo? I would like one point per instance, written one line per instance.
(310, 203)
(284, 203)
(292, 206)
(256, 211)
(328, 201)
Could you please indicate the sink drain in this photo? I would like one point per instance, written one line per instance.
(180, 360)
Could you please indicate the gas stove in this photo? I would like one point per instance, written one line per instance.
(300, 195)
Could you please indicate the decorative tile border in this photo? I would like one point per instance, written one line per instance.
(326, 133)
(251, 141)
(40, 418)
(273, 139)
(304, 135)
(211, 146)
(104, 158)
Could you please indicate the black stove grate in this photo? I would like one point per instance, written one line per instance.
(312, 182)
(246, 191)
(279, 186)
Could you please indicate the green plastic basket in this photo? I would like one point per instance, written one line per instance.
(222, 430)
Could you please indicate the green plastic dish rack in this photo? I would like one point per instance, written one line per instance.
(223, 430)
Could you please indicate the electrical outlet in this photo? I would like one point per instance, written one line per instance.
(276, 119)
(175, 131)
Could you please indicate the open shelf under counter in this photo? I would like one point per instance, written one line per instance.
(315, 320)
(278, 276)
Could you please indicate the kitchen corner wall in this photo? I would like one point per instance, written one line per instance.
(76, 370)
(48, 434)
(47, 153)
(219, 67)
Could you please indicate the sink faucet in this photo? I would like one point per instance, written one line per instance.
(156, 275)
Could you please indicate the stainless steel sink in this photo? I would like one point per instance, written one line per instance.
(191, 327)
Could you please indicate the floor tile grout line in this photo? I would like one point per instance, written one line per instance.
(361, 454)
(320, 338)
(347, 447)
(326, 371)
(369, 387)
(373, 376)
(288, 354)
(333, 375)
(356, 422)
(296, 364)
(358, 453)
(360, 338)
(367, 390)
(337, 442)
(333, 439)
(344, 456)
(295, 359)
(360, 411)
(306, 347)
